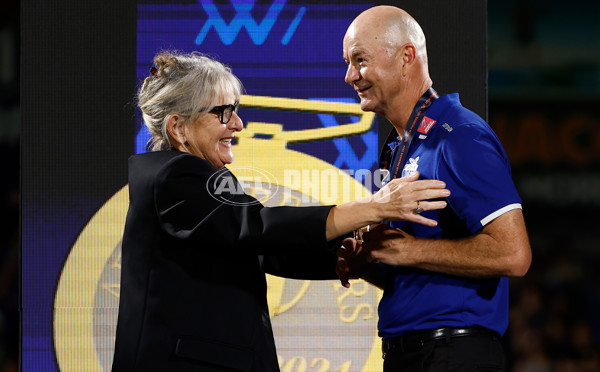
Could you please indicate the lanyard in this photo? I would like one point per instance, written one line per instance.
(399, 150)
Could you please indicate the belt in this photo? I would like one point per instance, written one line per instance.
(415, 340)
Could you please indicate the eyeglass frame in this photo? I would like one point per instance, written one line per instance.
(221, 110)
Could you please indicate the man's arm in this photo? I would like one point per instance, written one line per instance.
(501, 248)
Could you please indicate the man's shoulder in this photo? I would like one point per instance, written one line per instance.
(449, 108)
(453, 119)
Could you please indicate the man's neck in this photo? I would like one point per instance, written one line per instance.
(405, 107)
(399, 118)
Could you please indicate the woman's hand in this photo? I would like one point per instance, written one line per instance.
(400, 199)
(404, 199)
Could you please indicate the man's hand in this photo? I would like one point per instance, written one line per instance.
(383, 244)
(351, 261)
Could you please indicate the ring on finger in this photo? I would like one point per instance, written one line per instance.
(419, 209)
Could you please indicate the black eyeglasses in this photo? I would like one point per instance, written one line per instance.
(225, 111)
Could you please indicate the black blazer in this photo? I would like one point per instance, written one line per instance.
(193, 288)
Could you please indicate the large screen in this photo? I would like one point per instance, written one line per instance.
(305, 142)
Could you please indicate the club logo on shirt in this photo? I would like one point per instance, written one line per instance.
(411, 167)
(426, 125)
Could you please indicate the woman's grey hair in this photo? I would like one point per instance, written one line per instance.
(184, 84)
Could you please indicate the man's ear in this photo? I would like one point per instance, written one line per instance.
(408, 55)
(176, 129)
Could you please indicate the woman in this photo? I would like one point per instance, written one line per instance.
(193, 289)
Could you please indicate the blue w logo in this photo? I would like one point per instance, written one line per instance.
(258, 31)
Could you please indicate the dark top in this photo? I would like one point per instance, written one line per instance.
(193, 288)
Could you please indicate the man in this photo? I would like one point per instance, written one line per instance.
(445, 301)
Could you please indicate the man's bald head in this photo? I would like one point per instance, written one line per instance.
(390, 25)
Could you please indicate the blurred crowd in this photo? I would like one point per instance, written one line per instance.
(554, 323)
(555, 309)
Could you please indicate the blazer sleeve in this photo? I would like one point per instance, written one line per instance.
(187, 209)
(316, 266)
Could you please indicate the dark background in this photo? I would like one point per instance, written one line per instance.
(9, 185)
(544, 83)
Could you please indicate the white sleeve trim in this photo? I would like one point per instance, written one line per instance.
(500, 212)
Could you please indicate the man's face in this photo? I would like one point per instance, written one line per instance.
(374, 69)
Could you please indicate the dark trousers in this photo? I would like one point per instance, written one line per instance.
(473, 353)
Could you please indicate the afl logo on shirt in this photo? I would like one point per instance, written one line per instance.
(411, 167)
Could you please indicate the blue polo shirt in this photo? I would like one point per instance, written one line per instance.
(456, 146)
